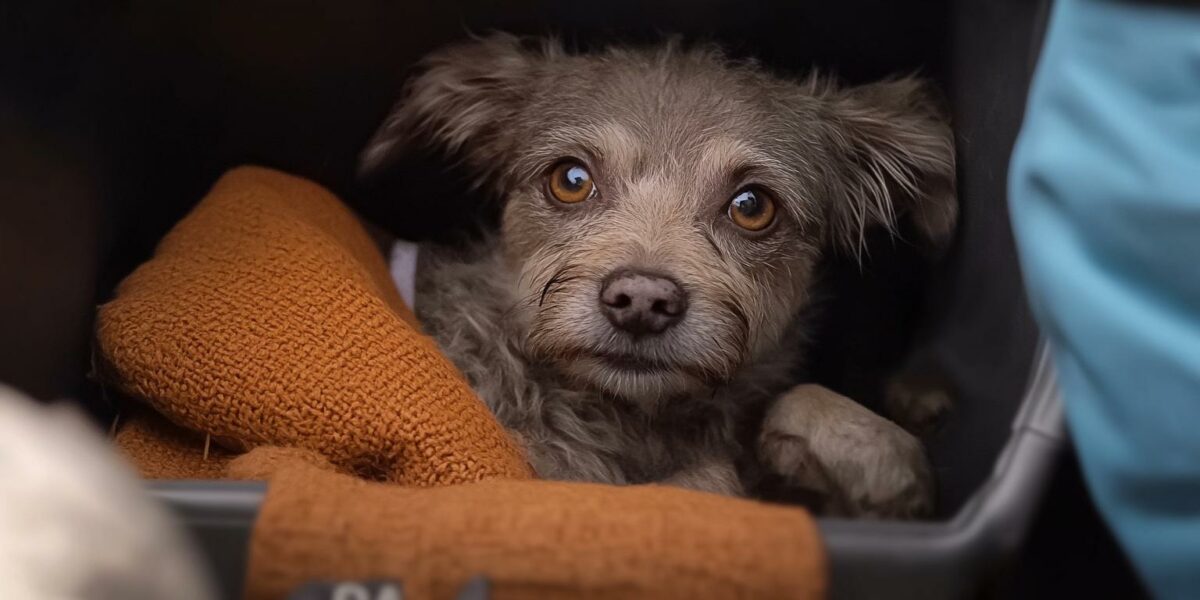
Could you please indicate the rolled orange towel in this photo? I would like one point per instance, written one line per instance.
(268, 317)
(529, 539)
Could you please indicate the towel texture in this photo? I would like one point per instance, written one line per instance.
(268, 317)
(531, 539)
(267, 328)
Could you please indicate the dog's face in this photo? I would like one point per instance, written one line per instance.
(664, 209)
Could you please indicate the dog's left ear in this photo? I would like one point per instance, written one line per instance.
(895, 152)
(460, 102)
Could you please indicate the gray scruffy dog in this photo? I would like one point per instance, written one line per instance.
(636, 318)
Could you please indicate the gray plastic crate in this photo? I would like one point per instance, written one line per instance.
(133, 109)
(997, 461)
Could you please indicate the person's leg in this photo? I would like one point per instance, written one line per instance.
(1105, 199)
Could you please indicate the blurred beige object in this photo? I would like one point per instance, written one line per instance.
(74, 520)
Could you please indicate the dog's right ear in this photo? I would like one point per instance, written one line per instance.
(898, 152)
(461, 101)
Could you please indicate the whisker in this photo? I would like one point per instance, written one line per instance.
(557, 279)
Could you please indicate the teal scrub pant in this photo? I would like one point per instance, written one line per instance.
(1104, 193)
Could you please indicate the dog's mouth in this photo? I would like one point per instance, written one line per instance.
(640, 365)
(626, 362)
(634, 363)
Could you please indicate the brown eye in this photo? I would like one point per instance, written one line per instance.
(570, 182)
(752, 209)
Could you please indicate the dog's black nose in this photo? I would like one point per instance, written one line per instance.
(640, 302)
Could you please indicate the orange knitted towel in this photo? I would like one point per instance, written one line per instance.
(267, 317)
(266, 322)
(530, 539)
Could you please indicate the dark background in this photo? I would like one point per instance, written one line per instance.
(116, 117)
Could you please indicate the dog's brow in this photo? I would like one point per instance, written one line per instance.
(616, 144)
(721, 157)
(611, 142)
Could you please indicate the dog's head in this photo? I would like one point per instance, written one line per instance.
(664, 209)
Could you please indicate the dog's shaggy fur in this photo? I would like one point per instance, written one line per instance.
(669, 136)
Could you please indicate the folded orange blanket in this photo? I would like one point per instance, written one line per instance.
(265, 340)
(267, 317)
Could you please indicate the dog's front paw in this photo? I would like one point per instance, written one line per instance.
(862, 464)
